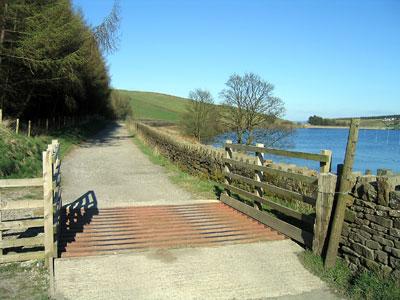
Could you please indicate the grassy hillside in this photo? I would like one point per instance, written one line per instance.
(154, 106)
(21, 157)
(378, 122)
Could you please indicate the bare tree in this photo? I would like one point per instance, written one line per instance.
(250, 105)
(106, 34)
(201, 117)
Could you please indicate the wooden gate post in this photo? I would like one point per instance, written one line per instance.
(344, 189)
(259, 175)
(48, 205)
(29, 128)
(17, 127)
(323, 207)
(325, 167)
(228, 166)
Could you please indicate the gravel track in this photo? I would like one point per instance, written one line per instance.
(114, 171)
(117, 173)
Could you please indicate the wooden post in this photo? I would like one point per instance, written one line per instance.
(48, 206)
(323, 207)
(47, 124)
(259, 176)
(325, 167)
(344, 189)
(1, 232)
(228, 166)
(29, 128)
(17, 127)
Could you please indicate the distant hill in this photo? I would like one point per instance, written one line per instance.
(154, 106)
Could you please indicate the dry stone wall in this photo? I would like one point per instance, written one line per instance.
(206, 161)
(371, 231)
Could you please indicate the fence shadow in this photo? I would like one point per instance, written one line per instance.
(74, 217)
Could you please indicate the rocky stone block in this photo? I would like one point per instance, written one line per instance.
(373, 245)
(365, 234)
(357, 237)
(348, 250)
(382, 257)
(383, 241)
(385, 222)
(349, 215)
(363, 251)
(369, 263)
(394, 262)
(379, 228)
(345, 229)
(396, 223)
(395, 232)
(394, 202)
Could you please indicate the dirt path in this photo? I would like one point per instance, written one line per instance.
(112, 168)
(118, 173)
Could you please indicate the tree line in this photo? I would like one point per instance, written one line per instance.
(249, 113)
(51, 61)
(316, 120)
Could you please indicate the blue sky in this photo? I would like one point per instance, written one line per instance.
(329, 58)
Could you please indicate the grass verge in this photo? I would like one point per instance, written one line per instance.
(205, 189)
(27, 280)
(21, 157)
(366, 285)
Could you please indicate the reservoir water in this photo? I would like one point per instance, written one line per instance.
(376, 149)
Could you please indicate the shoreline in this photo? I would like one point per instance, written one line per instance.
(344, 127)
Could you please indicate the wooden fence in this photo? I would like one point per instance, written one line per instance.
(48, 208)
(39, 126)
(326, 183)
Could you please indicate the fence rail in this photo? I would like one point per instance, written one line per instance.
(325, 183)
(40, 126)
(47, 208)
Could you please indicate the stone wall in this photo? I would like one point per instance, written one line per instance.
(205, 161)
(371, 231)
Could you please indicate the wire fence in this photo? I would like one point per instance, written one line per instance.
(41, 126)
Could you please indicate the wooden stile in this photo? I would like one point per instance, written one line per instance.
(344, 189)
(325, 199)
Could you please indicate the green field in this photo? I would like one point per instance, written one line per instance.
(154, 106)
(375, 123)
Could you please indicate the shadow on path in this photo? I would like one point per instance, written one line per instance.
(74, 217)
(106, 138)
